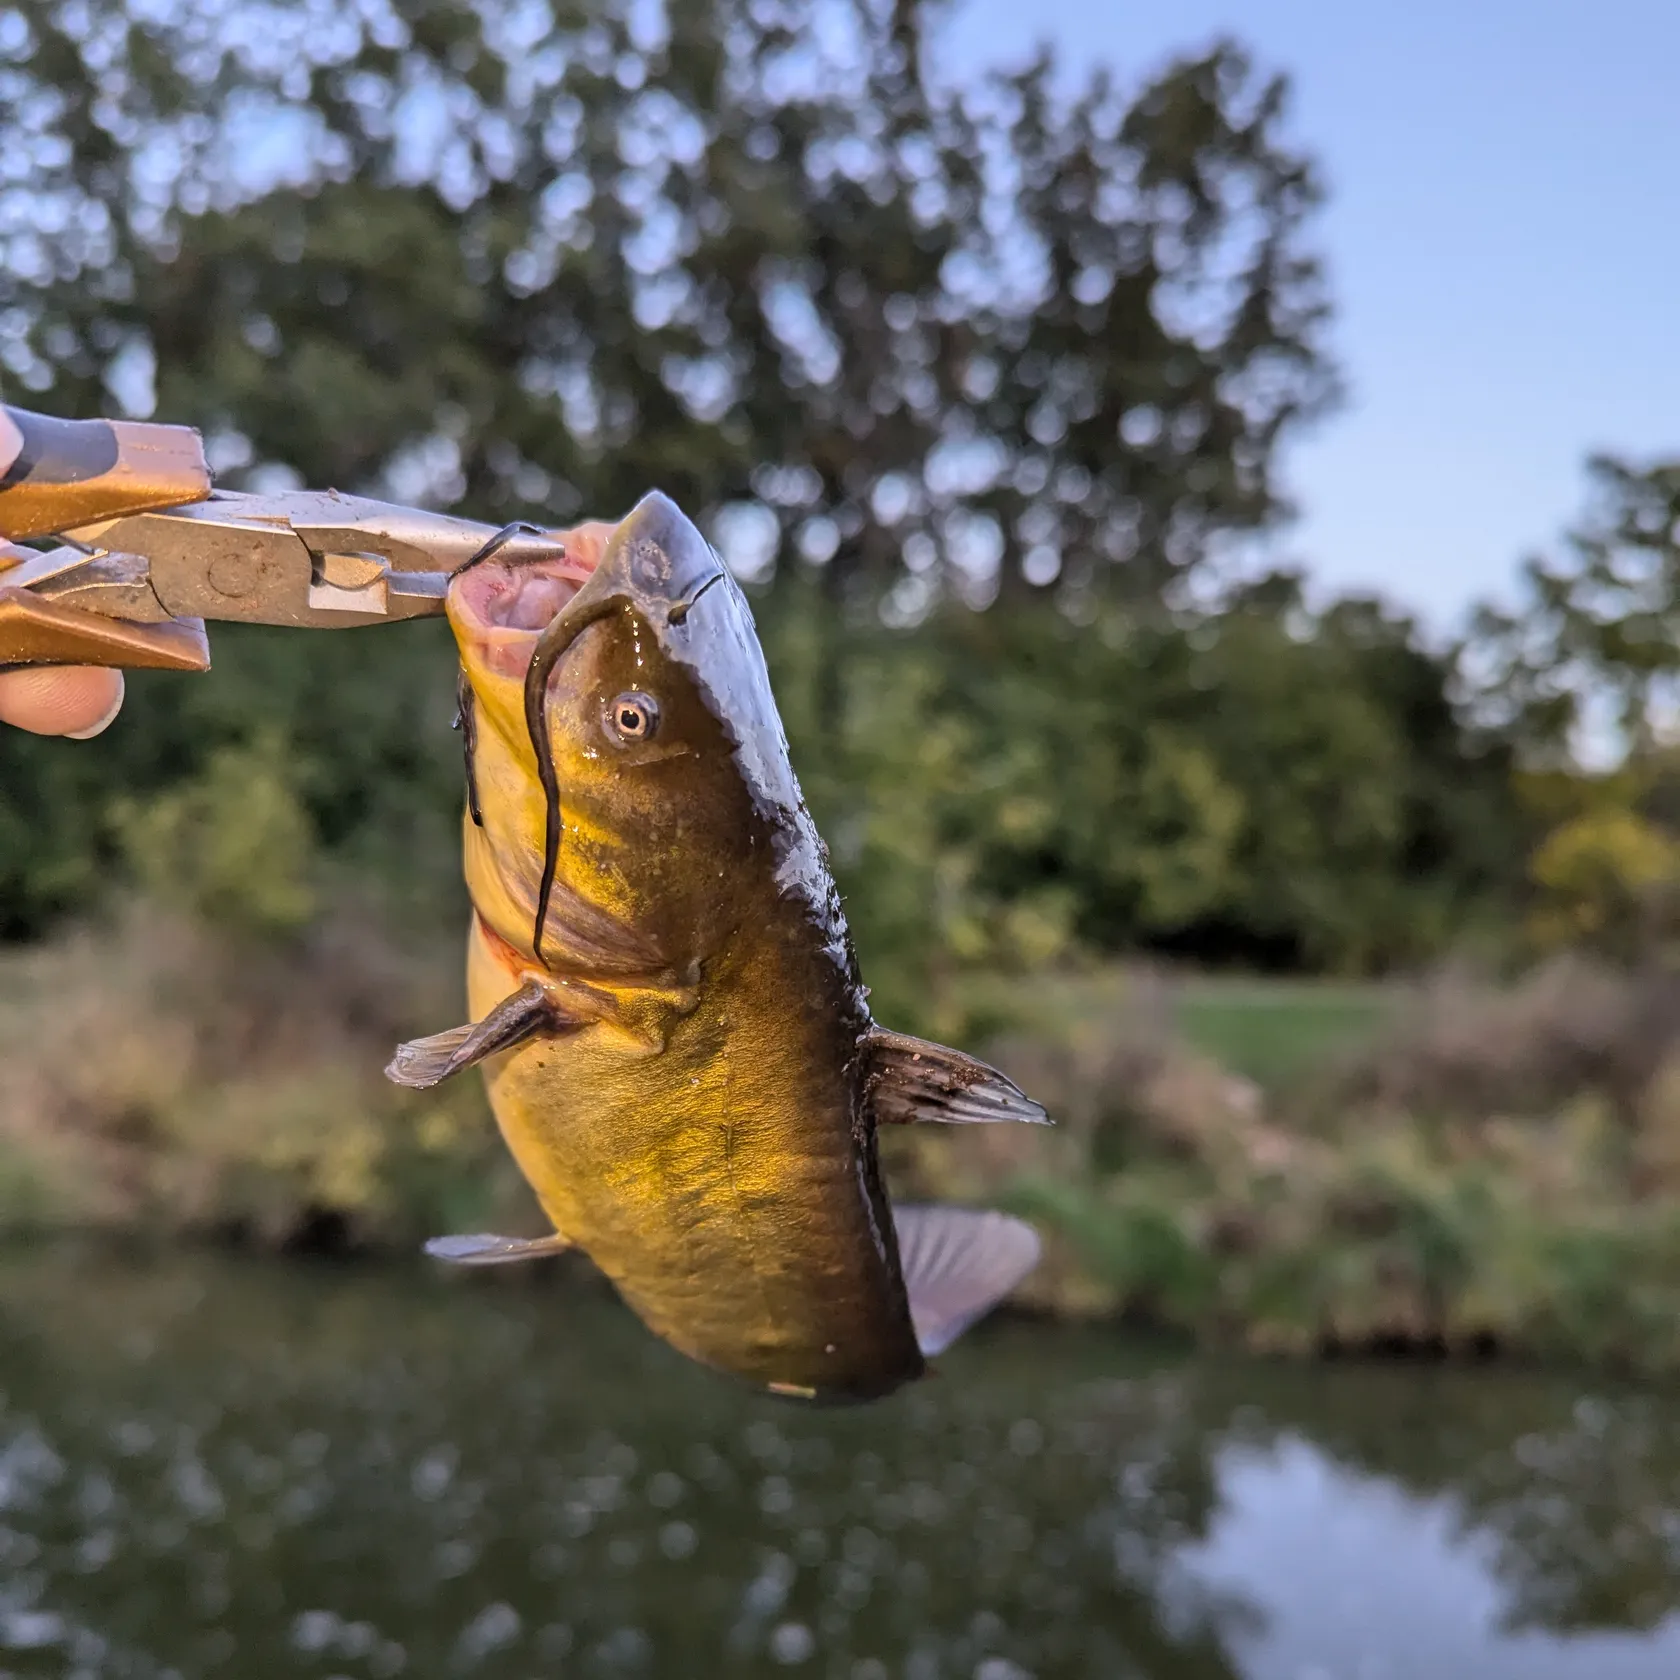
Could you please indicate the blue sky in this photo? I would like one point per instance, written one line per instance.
(1503, 238)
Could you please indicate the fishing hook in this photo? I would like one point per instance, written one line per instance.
(503, 536)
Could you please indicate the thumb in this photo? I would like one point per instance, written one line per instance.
(75, 701)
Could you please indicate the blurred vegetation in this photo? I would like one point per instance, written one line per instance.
(1492, 1168)
(975, 388)
(167, 1075)
(981, 392)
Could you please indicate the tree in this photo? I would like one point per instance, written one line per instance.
(1584, 676)
(896, 346)
(1594, 646)
(531, 260)
(1257, 784)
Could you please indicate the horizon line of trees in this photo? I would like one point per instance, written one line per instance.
(972, 386)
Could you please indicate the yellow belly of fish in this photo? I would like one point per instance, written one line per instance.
(716, 1183)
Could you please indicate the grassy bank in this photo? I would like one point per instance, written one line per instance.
(1451, 1166)
(1270, 1031)
(165, 1078)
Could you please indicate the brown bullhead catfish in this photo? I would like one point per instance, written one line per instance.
(665, 1000)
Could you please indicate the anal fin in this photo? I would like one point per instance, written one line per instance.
(424, 1062)
(958, 1263)
(483, 1249)
(912, 1079)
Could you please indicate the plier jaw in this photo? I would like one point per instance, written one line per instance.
(312, 559)
(145, 560)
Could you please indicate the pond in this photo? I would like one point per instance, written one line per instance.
(212, 1466)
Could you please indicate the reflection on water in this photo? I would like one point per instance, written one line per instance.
(211, 1468)
(1362, 1581)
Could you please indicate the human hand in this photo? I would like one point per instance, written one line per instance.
(75, 701)
(52, 699)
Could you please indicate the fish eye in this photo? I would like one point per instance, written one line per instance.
(633, 717)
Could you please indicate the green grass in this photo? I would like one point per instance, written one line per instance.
(1272, 1031)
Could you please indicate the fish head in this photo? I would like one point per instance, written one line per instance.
(631, 759)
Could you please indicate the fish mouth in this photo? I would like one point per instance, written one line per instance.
(519, 619)
(654, 560)
(502, 607)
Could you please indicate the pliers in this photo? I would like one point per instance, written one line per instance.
(132, 550)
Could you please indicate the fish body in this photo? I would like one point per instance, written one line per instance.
(666, 1003)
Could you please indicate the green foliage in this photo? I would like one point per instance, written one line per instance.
(903, 349)
(1598, 874)
(1004, 790)
(28, 1201)
(1497, 1168)
(233, 844)
(1136, 1240)
(969, 384)
(734, 257)
(1596, 641)
(968, 388)
(1587, 667)
(171, 1072)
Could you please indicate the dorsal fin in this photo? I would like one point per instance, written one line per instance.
(914, 1079)
(958, 1263)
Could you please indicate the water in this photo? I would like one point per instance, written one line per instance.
(211, 1467)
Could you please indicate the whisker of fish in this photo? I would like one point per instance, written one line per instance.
(563, 629)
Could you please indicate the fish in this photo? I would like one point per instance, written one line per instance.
(665, 999)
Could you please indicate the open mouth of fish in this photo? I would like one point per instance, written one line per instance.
(506, 607)
(518, 621)
(503, 610)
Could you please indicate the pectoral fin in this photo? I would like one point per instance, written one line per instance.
(534, 1008)
(911, 1079)
(958, 1263)
(482, 1249)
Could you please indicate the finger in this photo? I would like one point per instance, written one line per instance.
(61, 699)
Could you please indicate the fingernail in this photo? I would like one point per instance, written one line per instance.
(105, 722)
